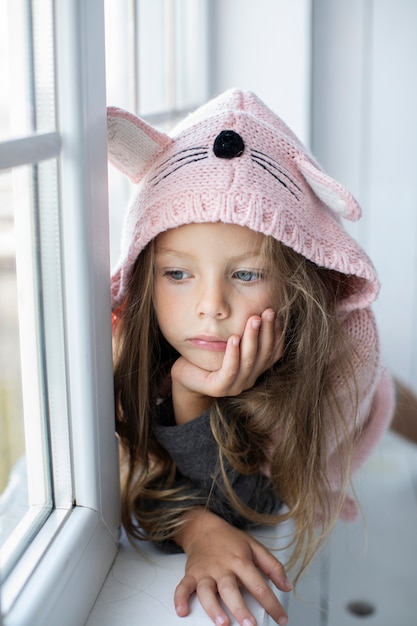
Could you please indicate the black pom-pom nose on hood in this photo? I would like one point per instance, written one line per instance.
(228, 145)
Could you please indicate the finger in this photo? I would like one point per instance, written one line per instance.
(207, 595)
(229, 370)
(259, 588)
(231, 596)
(184, 590)
(249, 345)
(271, 344)
(273, 569)
(267, 338)
(270, 566)
(258, 346)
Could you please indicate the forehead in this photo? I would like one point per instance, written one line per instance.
(227, 238)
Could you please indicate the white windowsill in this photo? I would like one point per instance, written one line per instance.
(66, 582)
(371, 561)
(140, 587)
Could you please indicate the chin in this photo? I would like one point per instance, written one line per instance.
(210, 362)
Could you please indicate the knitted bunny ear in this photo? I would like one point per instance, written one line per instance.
(329, 191)
(133, 144)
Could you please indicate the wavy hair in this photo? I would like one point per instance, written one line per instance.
(280, 425)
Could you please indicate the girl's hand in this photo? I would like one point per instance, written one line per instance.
(221, 558)
(245, 359)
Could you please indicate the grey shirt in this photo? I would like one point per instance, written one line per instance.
(194, 450)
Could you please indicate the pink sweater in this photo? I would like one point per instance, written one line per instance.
(375, 396)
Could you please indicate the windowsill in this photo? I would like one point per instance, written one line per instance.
(369, 562)
(66, 584)
(141, 586)
(68, 578)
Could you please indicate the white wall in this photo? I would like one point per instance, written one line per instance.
(365, 134)
(264, 46)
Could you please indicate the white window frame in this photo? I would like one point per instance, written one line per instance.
(57, 579)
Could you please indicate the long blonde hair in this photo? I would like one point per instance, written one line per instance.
(279, 424)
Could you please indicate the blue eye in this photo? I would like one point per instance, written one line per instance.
(176, 275)
(248, 276)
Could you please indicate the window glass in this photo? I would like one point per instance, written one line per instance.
(13, 486)
(4, 75)
(191, 57)
(155, 49)
(29, 66)
(32, 370)
(26, 488)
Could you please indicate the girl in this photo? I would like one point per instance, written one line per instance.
(247, 370)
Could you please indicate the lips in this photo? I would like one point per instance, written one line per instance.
(208, 342)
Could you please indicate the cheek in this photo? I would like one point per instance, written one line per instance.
(258, 302)
(168, 310)
(272, 296)
(160, 307)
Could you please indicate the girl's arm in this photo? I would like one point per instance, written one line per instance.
(220, 556)
(220, 559)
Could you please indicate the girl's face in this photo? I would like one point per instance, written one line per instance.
(209, 279)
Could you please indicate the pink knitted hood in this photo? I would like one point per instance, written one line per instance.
(233, 160)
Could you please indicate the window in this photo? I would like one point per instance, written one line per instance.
(157, 61)
(59, 493)
(59, 490)
(26, 189)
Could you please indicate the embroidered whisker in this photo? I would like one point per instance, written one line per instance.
(204, 148)
(284, 184)
(176, 158)
(179, 167)
(265, 158)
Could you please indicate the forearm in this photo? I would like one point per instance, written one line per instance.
(197, 523)
(188, 404)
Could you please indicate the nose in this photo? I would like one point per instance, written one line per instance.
(213, 302)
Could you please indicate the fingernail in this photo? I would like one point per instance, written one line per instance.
(283, 620)
(256, 324)
(270, 316)
(220, 621)
(248, 622)
(181, 610)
